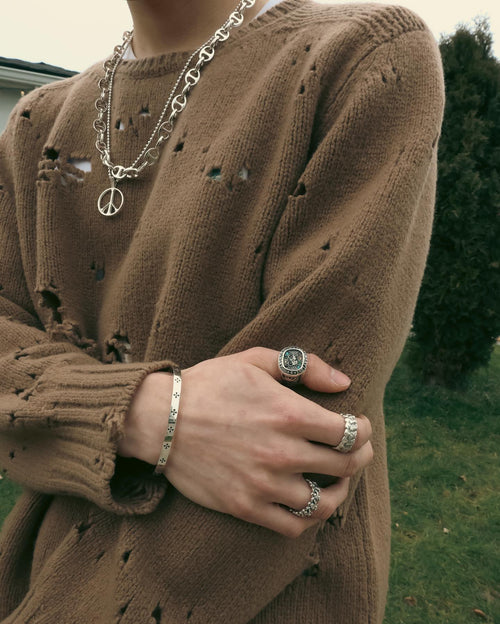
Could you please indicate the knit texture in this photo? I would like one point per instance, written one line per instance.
(293, 204)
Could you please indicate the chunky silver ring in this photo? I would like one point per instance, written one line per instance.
(313, 503)
(292, 362)
(350, 433)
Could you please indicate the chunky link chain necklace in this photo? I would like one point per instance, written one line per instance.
(111, 200)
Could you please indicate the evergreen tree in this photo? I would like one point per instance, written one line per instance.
(457, 318)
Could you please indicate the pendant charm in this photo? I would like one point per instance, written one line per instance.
(110, 201)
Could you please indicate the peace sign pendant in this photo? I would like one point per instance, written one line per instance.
(111, 200)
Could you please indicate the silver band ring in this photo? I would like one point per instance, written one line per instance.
(292, 362)
(313, 503)
(350, 433)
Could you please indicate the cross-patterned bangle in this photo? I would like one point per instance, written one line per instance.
(172, 421)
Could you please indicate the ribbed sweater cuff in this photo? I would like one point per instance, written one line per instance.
(70, 425)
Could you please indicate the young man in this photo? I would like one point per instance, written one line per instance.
(280, 193)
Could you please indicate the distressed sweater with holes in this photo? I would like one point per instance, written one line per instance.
(293, 204)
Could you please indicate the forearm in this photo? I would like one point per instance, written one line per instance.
(62, 417)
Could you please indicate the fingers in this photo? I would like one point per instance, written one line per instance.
(281, 520)
(299, 416)
(326, 461)
(318, 376)
(305, 457)
(328, 428)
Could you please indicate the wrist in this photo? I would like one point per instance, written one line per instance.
(147, 419)
(172, 422)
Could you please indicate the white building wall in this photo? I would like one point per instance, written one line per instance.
(13, 83)
(8, 99)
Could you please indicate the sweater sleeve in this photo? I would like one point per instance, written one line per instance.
(345, 263)
(346, 260)
(61, 410)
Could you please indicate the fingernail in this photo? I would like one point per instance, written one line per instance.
(339, 378)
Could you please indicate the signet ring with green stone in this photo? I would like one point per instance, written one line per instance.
(292, 362)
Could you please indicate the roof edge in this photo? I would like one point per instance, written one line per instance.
(38, 68)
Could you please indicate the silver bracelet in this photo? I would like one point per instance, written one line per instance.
(172, 421)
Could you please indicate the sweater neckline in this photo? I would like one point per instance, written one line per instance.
(151, 66)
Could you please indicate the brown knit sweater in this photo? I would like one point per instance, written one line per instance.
(293, 204)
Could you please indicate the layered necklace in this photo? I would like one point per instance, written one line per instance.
(111, 200)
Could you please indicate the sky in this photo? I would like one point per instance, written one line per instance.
(75, 35)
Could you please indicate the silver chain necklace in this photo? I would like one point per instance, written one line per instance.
(111, 200)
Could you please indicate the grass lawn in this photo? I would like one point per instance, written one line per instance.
(445, 479)
(444, 469)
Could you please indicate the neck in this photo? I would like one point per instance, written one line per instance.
(162, 26)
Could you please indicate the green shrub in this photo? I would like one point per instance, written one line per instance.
(457, 317)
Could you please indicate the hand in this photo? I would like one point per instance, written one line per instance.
(243, 440)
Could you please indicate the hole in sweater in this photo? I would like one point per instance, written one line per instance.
(12, 417)
(12, 454)
(326, 246)
(179, 147)
(100, 555)
(124, 607)
(157, 614)
(19, 391)
(258, 249)
(52, 301)
(119, 125)
(294, 61)
(300, 190)
(312, 571)
(99, 271)
(118, 349)
(83, 164)
(244, 173)
(189, 614)
(354, 279)
(144, 112)
(302, 89)
(51, 154)
(82, 527)
(338, 359)
(26, 114)
(215, 174)
(126, 556)
(384, 79)
(308, 47)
